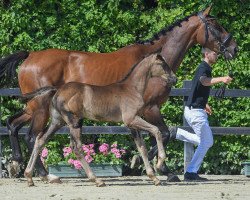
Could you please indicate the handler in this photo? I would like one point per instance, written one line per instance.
(196, 111)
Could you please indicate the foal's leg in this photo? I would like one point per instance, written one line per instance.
(75, 133)
(39, 121)
(41, 139)
(138, 123)
(143, 151)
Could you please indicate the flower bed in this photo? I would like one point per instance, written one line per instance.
(105, 160)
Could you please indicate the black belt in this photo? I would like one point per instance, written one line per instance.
(194, 107)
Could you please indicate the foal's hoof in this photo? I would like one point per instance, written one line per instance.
(14, 169)
(157, 182)
(100, 183)
(31, 184)
(53, 179)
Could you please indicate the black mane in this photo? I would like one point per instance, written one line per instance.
(165, 30)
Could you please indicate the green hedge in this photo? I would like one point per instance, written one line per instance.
(104, 26)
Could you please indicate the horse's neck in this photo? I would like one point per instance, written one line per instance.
(178, 42)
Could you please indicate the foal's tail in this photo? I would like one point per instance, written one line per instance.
(49, 90)
(8, 66)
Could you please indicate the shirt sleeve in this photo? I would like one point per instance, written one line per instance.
(205, 72)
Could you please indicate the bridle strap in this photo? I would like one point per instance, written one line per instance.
(201, 16)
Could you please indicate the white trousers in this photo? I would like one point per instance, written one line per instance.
(203, 137)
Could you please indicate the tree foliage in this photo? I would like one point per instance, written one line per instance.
(105, 26)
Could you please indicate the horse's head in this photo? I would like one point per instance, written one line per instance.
(161, 69)
(213, 36)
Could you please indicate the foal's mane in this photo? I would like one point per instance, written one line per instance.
(136, 64)
(165, 30)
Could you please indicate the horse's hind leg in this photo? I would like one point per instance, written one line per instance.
(14, 124)
(75, 132)
(143, 151)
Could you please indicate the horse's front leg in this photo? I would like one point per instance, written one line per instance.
(139, 124)
(143, 151)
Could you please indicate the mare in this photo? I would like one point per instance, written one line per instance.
(54, 67)
(118, 102)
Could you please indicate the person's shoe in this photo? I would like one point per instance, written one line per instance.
(191, 176)
(173, 132)
(136, 161)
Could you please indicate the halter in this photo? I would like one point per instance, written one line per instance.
(215, 34)
(220, 93)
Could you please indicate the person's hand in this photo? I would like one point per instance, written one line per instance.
(208, 109)
(226, 79)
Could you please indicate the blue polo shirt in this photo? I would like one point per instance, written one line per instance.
(198, 97)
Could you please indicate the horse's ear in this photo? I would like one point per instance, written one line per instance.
(159, 57)
(207, 10)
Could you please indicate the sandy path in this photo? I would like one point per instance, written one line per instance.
(218, 187)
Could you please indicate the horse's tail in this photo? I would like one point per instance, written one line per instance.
(8, 66)
(49, 90)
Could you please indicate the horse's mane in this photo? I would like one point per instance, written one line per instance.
(165, 30)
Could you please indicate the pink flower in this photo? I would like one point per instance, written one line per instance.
(115, 150)
(123, 151)
(118, 155)
(104, 148)
(66, 151)
(88, 149)
(85, 148)
(114, 146)
(71, 161)
(44, 153)
(88, 158)
(77, 164)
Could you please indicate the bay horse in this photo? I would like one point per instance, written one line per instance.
(54, 67)
(118, 102)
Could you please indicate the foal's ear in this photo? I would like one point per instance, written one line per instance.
(159, 57)
(207, 10)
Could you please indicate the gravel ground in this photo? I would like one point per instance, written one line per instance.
(133, 187)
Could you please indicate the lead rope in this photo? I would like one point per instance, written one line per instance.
(220, 93)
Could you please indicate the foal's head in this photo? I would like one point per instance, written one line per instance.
(213, 36)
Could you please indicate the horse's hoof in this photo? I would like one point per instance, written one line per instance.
(53, 179)
(157, 182)
(100, 184)
(43, 178)
(31, 184)
(173, 178)
(14, 169)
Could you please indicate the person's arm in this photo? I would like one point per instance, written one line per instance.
(211, 81)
